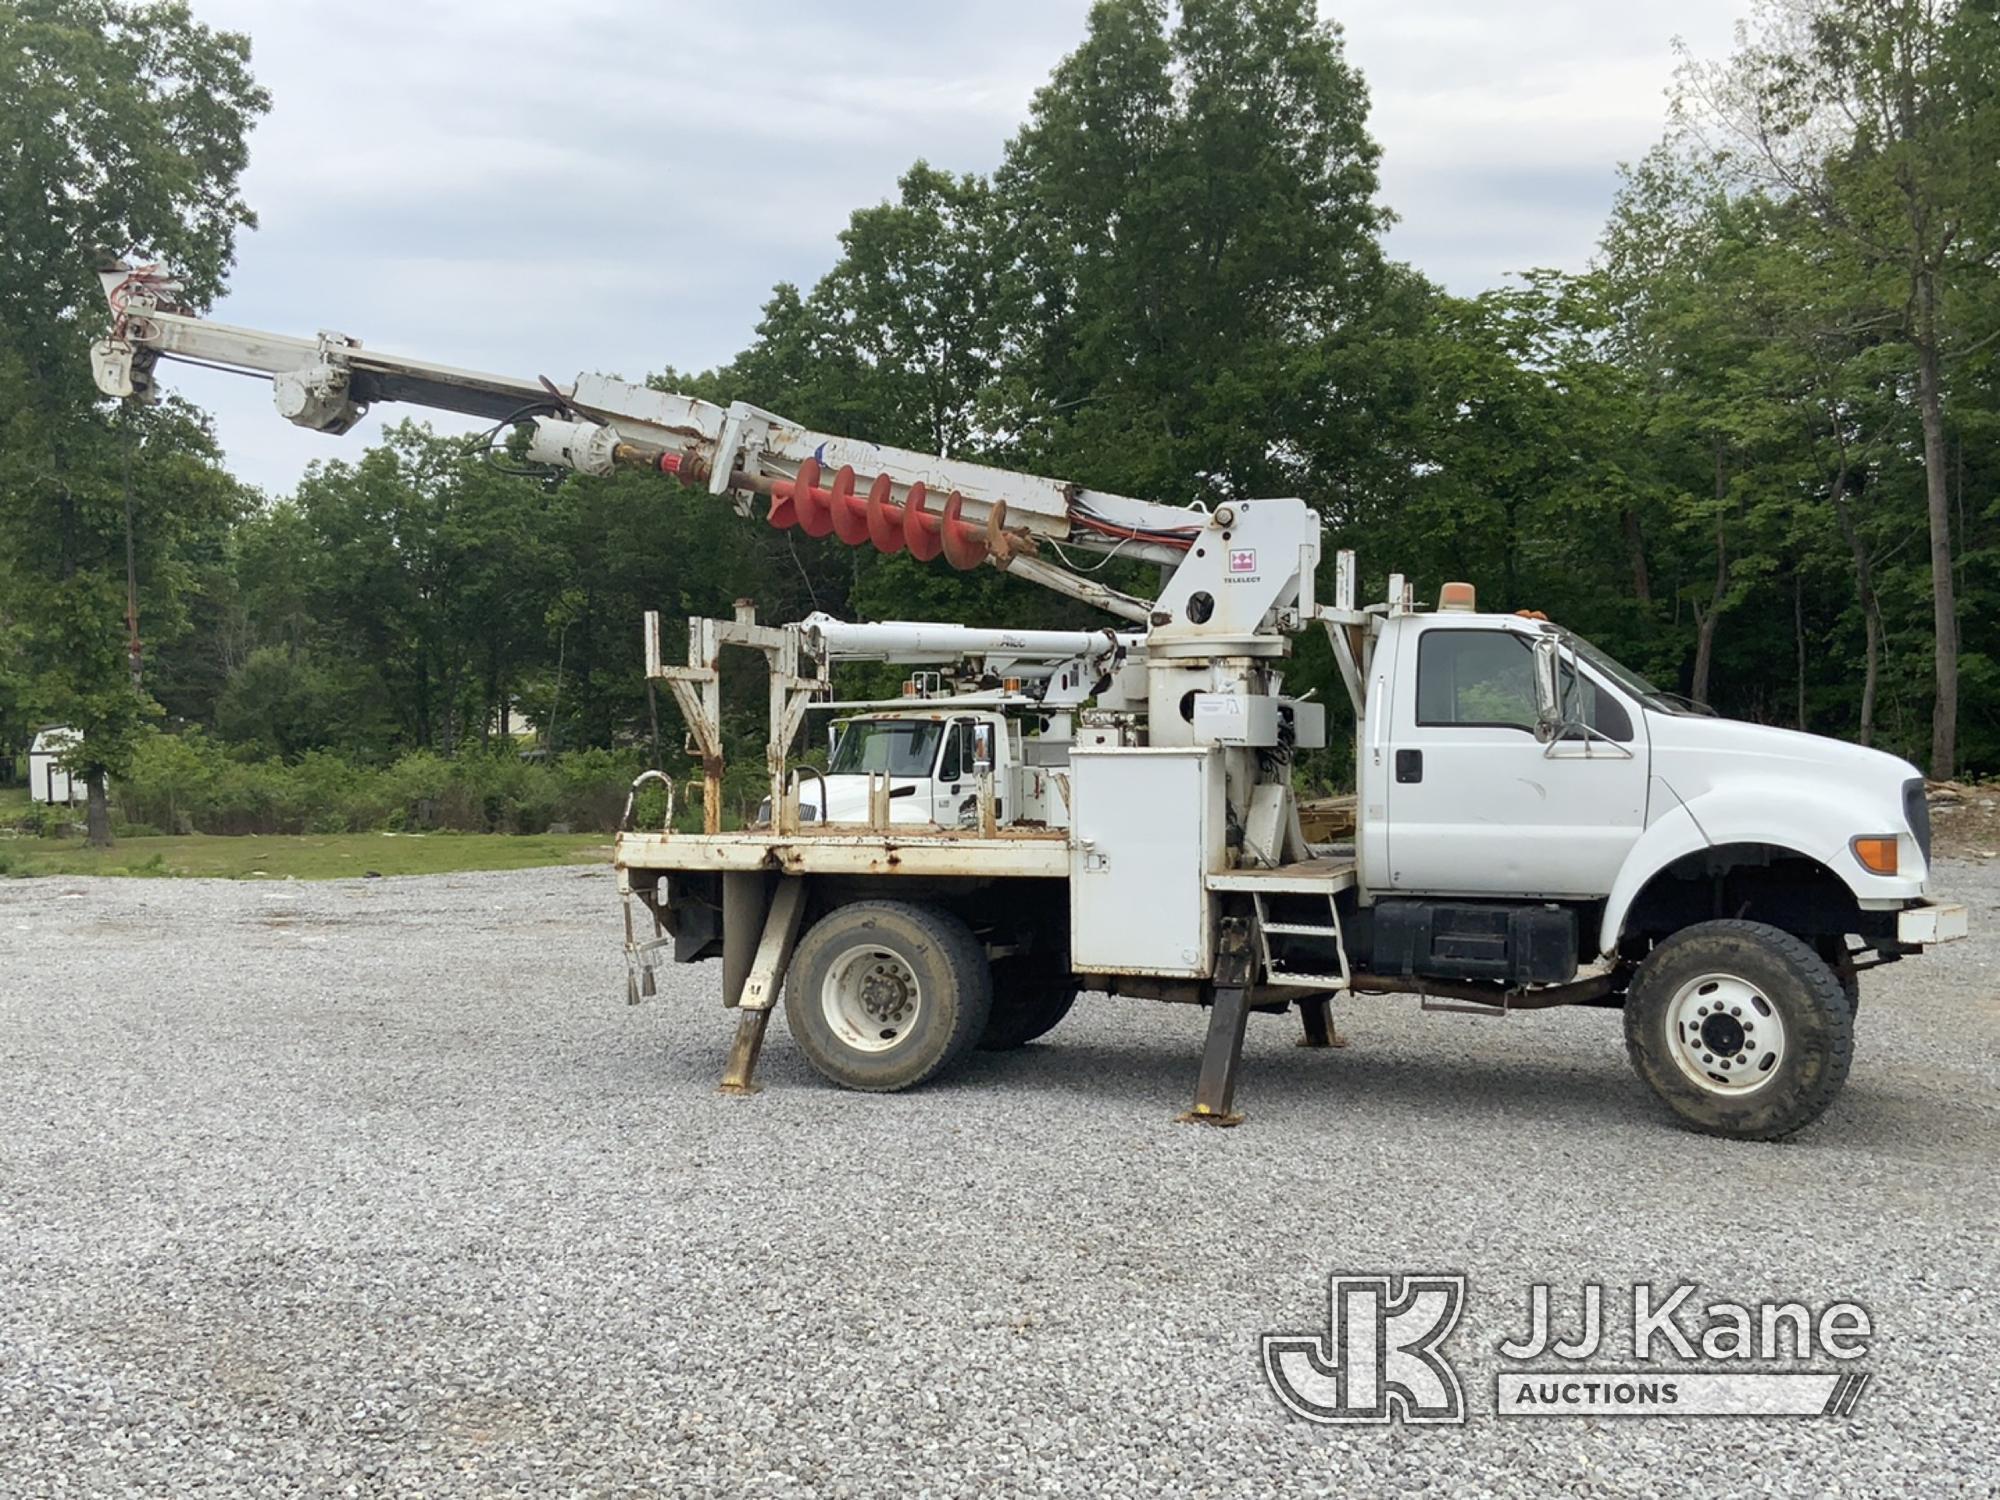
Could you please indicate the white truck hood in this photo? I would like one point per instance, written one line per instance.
(847, 799)
(1694, 753)
(1752, 783)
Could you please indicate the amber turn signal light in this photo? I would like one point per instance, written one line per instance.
(1877, 854)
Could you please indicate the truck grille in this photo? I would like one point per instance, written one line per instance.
(1917, 813)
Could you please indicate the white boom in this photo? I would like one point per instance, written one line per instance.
(1207, 672)
(825, 483)
(921, 642)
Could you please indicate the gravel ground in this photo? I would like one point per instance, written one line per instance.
(379, 1188)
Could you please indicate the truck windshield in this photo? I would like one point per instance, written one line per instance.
(900, 747)
(1653, 697)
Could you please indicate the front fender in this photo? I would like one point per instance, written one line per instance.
(1672, 835)
(1766, 811)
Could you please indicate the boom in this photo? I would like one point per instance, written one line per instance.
(823, 483)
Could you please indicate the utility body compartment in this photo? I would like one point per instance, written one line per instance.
(1146, 828)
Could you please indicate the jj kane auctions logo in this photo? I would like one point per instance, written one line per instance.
(1382, 1356)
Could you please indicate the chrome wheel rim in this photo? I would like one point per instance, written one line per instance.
(871, 998)
(1726, 1034)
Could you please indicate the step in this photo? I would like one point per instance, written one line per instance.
(1310, 981)
(1311, 877)
(1302, 929)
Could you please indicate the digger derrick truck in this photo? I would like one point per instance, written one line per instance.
(1535, 824)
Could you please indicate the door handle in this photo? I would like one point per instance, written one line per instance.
(1409, 765)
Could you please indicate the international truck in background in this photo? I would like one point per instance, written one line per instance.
(1045, 814)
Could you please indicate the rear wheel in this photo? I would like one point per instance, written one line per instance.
(1029, 1000)
(1741, 1029)
(885, 995)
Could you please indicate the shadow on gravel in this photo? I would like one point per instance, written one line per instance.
(1894, 1119)
(1323, 1085)
(1425, 1092)
(1392, 1090)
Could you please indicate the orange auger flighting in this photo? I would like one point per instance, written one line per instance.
(875, 518)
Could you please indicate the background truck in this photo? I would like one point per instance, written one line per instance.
(1535, 824)
(995, 703)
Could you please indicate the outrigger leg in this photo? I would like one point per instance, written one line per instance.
(759, 992)
(1228, 1014)
(1317, 1014)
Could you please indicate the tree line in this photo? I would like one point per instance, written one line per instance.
(1748, 450)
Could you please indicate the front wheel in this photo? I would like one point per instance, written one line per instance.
(1741, 1029)
(885, 995)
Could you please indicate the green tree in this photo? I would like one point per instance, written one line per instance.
(124, 126)
(1192, 211)
(919, 298)
(426, 569)
(1882, 118)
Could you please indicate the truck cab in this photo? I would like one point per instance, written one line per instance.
(1595, 789)
(932, 757)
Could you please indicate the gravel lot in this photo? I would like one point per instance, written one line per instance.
(378, 1187)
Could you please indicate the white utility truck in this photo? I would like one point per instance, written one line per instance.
(1535, 824)
(996, 702)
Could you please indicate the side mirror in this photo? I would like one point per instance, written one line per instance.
(982, 747)
(1548, 688)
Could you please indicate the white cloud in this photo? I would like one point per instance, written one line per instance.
(617, 184)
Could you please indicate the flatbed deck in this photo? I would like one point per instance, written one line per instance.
(921, 850)
(915, 850)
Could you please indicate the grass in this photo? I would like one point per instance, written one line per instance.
(302, 857)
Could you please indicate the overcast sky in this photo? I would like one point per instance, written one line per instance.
(617, 184)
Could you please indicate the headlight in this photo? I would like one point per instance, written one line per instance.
(808, 812)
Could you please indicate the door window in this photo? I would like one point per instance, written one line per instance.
(1584, 702)
(1486, 678)
(953, 763)
(1475, 677)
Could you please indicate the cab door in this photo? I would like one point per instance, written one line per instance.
(1477, 804)
(954, 787)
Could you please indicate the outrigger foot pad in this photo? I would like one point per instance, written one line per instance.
(737, 1073)
(1198, 1116)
